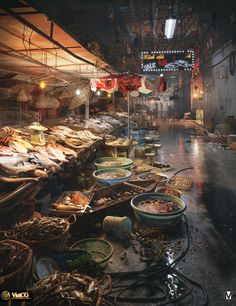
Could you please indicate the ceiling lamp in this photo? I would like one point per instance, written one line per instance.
(170, 27)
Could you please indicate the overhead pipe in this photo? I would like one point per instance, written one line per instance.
(37, 30)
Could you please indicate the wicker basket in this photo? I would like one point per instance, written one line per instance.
(17, 280)
(57, 243)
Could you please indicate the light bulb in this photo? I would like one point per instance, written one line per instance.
(98, 93)
(42, 84)
(109, 95)
(78, 92)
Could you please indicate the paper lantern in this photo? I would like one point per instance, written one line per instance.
(42, 101)
(22, 96)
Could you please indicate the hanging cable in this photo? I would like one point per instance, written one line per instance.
(23, 41)
(30, 42)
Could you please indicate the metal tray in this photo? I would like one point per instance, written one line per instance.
(71, 193)
(93, 215)
(180, 182)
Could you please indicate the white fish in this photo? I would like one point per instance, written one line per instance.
(46, 162)
(53, 150)
(13, 170)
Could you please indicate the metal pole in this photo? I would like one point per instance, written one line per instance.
(113, 102)
(128, 101)
(87, 106)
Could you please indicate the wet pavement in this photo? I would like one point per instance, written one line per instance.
(210, 212)
(211, 208)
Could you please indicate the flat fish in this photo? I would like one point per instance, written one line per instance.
(52, 149)
(46, 162)
(43, 151)
(6, 151)
(13, 160)
(13, 170)
(24, 143)
(18, 147)
(67, 151)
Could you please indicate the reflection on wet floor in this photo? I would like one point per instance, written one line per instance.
(214, 172)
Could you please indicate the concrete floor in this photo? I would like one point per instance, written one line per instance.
(211, 208)
(211, 212)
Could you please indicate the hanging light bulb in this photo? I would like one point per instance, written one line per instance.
(78, 92)
(109, 95)
(161, 75)
(98, 93)
(42, 85)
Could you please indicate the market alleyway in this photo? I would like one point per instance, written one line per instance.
(211, 207)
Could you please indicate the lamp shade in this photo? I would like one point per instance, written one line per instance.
(22, 96)
(42, 101)
(53, 102)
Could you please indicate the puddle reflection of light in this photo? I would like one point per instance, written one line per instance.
(172, 285)
(169, 256)
(196, 147)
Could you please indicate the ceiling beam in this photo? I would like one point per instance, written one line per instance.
(37, 30)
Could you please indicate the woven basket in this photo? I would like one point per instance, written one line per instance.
(57, 243)
(17, 280)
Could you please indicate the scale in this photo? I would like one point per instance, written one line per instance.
(37, 136)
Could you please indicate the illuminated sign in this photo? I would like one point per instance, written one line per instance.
(196, 71)
(156, 61)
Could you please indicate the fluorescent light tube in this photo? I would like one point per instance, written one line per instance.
(170, 27)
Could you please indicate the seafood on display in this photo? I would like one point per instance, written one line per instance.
(64, 131)
(6, 151)
(53, 150)
(108, 200)
(40, 229)
(72, 201)
(65, 289)
(158, 207)
(12, 257)
(114, 163)
(67, 151)
(45, 161)
(15, 170)
(111, 175)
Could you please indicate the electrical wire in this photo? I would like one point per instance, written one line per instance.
(30, 42)
(152, 271)
(23, 41)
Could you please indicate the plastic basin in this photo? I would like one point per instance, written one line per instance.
(157, 219)
(126, 163)
(124, 176)
(101, 250)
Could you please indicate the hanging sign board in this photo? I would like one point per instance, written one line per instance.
(157, 61)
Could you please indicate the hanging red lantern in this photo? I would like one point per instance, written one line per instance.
(162, 85)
